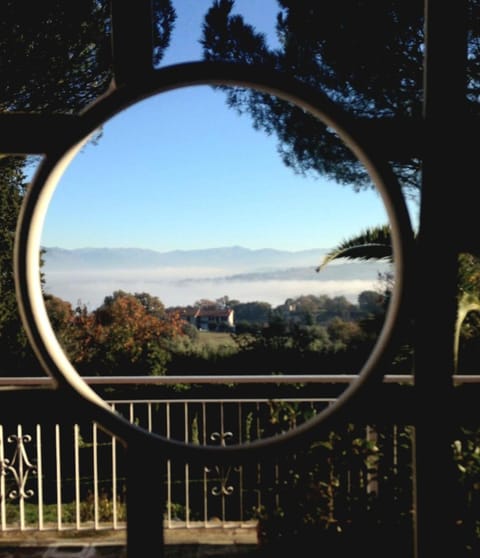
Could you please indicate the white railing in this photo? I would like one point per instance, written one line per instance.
(71, 477)
(62, 476)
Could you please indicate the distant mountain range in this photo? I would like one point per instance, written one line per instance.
(180, 277)
(231, 257)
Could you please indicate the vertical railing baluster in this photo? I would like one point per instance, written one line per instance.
(258, 465)
(205, 470)
(114, 483)
(169, 468)
(222, 442)
(95, 476)
(187, 468)
(38, 430)
(241, 440)
(77, 473)
(149, 416)
(114, 479)
(58, 468)
(240, 468)
(21, 496)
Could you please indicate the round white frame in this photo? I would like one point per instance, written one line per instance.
(34, 209)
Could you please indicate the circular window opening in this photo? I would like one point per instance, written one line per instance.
(186, 251)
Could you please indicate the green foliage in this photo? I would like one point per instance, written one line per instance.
(208, 353)
(69, 511)
(255, 313)
(56, 60)
(343, 334)
(466, 454)
(312, 38)
(467, 331)
(289, 346)
(104, 509)
(287, 415)
(345, 483)
(134, 334)
(195, 434)
(157, 359)
(371, 244)
(249, 425)
(372, 302)
(13, 342)
(376, 242)
(178, 511)
(312, 309)
(13, 182)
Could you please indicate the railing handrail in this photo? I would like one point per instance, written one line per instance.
(226, 379)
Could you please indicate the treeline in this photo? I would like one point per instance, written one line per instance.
(135, 334)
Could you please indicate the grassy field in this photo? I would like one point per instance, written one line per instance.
(215, 339)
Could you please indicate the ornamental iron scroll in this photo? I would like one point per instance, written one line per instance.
(35, 205)
(19, 467)
(223, 473)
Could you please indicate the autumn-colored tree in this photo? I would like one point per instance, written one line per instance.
(123, 336)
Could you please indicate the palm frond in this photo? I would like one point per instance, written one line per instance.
(467, 303)
(372, 243)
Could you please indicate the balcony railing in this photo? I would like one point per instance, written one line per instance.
(58, 476)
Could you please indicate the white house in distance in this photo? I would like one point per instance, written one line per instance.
(212, 318)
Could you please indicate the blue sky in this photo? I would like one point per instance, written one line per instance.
(182, 171)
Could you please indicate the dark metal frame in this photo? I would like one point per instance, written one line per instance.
(426, 282)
